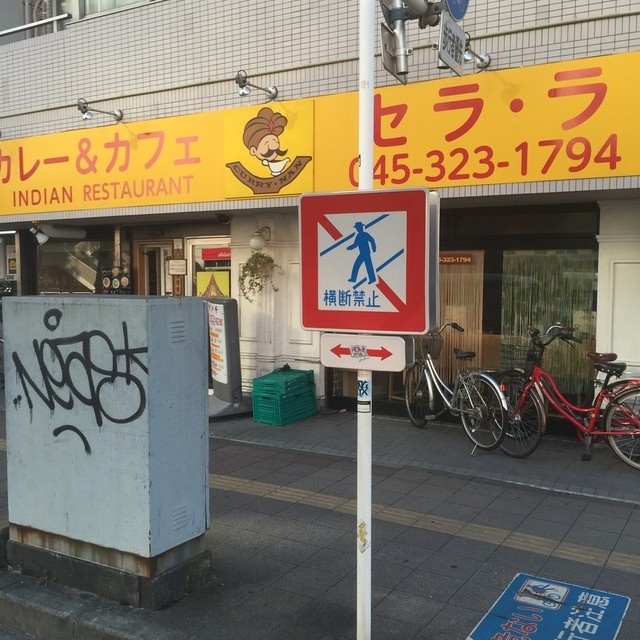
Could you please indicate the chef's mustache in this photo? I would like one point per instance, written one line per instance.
(274, 152)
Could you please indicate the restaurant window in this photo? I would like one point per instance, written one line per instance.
(532, 287)
(461, 301)
(543, 287)
(66, 266)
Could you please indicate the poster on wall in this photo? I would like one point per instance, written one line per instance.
(214, 284)
(12, 263)
(212, 271)
(116, 280)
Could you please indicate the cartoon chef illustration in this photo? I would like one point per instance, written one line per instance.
(261, 137)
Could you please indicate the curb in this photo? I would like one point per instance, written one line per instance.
(57, 612)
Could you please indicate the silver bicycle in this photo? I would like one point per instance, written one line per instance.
(475, 397)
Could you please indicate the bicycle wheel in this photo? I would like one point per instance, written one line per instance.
(481, 411)
(416, 394)
(623, 414)
(523, 431)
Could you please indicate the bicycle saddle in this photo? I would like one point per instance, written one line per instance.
(615, 368)
(602, 357)
(464, 355)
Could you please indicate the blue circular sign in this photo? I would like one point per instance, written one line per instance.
(457, 8)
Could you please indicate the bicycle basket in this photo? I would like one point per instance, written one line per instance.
(429, 344)
(519, 353)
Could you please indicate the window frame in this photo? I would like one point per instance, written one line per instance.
(78, 8)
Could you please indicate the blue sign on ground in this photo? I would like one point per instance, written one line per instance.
(533, 608)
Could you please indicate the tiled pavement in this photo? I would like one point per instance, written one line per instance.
(441, 447)
(450, 531)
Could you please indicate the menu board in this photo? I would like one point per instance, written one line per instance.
(116, 280)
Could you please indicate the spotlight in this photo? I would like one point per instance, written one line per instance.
(44, 232)
(62, 232)
(87, 112)
(242, 80)
(483, 60)
(41, 237)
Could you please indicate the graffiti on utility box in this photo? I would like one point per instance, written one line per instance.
(106, 407)
(89, 368)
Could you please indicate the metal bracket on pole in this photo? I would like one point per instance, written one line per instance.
(395, 45)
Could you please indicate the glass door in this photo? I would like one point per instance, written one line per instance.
(153, 266)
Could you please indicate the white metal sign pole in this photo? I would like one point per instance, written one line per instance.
(367, 72)
(364, 504)
(365, 181)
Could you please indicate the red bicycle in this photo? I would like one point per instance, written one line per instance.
(614, 413)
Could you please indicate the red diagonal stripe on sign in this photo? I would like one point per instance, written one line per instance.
(329, 227)
(390, 295)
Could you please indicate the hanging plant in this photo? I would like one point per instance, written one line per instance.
(256, 273)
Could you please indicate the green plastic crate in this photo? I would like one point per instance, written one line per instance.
(281, 382)
(281, 409)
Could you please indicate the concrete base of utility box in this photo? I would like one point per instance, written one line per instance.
(157, 583)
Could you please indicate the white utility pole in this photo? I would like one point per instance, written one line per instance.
(364, 391)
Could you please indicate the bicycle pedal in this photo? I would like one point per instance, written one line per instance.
(427, 418)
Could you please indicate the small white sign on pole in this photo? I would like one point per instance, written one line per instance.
(355, 351)
(452, 44)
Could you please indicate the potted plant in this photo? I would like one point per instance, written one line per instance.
(255, 273)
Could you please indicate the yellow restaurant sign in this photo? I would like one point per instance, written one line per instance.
(563, 121)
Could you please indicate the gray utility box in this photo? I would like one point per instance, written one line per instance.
(107, 423)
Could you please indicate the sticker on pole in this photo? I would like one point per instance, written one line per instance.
(533, 607)
(369, 261)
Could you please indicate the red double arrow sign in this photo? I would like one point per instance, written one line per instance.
(377, 353)
(381, 353)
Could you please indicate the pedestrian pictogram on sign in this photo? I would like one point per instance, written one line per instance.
(369, 261)
(365, 244)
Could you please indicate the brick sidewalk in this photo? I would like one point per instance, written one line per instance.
(450, 531)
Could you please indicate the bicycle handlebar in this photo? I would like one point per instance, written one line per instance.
(453, 325)
(555, 331)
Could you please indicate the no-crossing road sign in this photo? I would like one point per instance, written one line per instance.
(369, 261)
